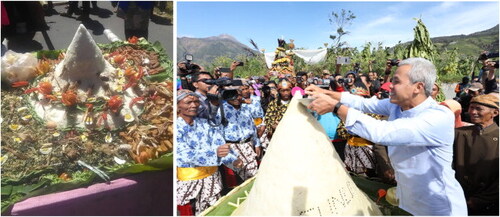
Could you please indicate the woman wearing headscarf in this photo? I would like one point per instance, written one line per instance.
(200, 149)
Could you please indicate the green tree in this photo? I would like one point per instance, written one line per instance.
(340, 21)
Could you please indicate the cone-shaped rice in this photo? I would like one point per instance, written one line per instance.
(302, 174)
(83, 63)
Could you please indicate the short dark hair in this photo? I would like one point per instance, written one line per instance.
(300, 74)
(196, 75)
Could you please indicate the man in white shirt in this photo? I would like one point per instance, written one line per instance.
(419, 134)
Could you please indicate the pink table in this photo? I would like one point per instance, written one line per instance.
(148, 193)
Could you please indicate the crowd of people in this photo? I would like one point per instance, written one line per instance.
(387, 127)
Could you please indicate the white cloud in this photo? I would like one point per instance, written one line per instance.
(380, 21)
(463, 20)
(444, 7)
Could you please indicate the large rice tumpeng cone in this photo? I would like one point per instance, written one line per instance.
(302, 174)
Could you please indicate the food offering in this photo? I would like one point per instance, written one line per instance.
(91, 113)
(287, 187)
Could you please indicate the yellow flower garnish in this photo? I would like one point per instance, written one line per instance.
(108, 138)
(22, 109)
(26, 117)
(118, 88)
(15, 127)
(4, 158)
(129, 117)
(89, 120)
(18, 140)
(46, 150)
(84, 138)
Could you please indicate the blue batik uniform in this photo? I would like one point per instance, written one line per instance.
(197, 144)
(240, 125)
(254, 109)
(241, 135)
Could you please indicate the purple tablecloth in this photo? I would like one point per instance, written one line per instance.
(149, 193)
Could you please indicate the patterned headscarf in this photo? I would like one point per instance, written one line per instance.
(181, 94)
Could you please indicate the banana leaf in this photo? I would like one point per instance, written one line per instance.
(223, 206)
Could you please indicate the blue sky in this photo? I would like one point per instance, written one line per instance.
(307, 22)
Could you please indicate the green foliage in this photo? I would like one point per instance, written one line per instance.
(340, 21)
(253, 65)
(453, 56)
(422, 45)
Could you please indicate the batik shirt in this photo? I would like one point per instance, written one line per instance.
(197, 144)
(240, 125)
(275, 112)
(253, 109)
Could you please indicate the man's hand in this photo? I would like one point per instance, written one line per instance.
(223, 150)
(258, 151)
(217, 72)
(247, 101)
(322, 103)
(234, 65)
(312, 90)
(214, 90)
(238, 163)
(388, 67)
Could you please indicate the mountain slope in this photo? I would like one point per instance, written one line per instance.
(205, 50)
(471, 44)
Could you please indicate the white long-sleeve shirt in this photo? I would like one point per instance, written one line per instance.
(420, 146)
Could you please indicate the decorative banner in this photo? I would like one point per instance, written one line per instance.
(269, 59)
(309, 56)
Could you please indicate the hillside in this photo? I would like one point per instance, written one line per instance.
(205, 50)
(471, 44)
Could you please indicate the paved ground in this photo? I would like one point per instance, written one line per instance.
(62, 30)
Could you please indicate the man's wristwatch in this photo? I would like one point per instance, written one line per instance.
(336, 108)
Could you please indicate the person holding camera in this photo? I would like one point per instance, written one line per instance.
(349, 79)
(461, 87)
(490, 82)
(200, 149)
(185, 71)
(419, 134)
(208, 107)
(269, 94)
(240, 133)
(301, 80)
(375, 83)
